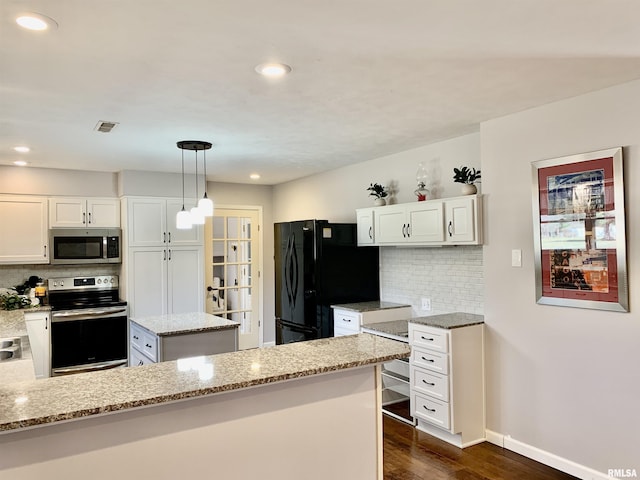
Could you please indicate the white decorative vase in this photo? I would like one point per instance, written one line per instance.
(469, 189)
(380, 202)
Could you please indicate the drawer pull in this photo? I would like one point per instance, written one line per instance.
(140, 363)
(148, 346)
(429, 409)
(135, 337)
(427, 339)
(431, 384)
(346, 320)
(428, 359)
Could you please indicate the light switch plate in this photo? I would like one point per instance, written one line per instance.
(516, 258)
(425, 303)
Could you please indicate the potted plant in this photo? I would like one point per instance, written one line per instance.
(467, 176)
(378, 191)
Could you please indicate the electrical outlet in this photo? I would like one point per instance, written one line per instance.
(426, 304)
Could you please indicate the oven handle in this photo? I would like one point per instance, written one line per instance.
(86, 315)
(89, 368)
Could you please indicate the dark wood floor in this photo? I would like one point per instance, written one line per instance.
(413, 455)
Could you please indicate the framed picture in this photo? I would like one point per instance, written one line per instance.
(579, 231)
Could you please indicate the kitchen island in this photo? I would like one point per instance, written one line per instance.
(304, 410)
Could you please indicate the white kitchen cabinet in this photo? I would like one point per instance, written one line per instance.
(71, 212)
(164, 266)
(163, 280)
(365, 226)
(449, 221)
(349, 320)
(25, 217)
(151, 222)
(39, 331)
(447, 382)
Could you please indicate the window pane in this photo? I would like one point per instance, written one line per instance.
(232, 227)
(245, 231)
(217, 227)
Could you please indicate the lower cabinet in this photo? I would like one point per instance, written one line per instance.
(39, 331)
(348, 322)
(162, 280)
(447, 382)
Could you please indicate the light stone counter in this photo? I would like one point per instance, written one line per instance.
(12, 324)
(179, 324)
(361, 307)
(45, 401)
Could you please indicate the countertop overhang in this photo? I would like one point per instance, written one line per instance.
(184, 323)
(37, 403)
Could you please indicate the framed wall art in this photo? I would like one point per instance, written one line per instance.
(579, 231)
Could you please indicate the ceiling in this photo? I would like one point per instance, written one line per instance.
(370, 77)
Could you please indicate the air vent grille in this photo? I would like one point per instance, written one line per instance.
(105, 127)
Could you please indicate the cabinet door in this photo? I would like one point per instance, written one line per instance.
(147, 281)
(147, 222)
(185, 279)
(192, 236)
(461, 220)
(365, 226)
(39, 331)
(68, 212)
(390, 224)
(426, 222)
(103, 212)
(26, 237)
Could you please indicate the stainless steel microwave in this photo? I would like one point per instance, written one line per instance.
(71, 246)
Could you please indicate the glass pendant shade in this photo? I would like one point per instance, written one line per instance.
(197, 218)
(183, 220)
(205, 205)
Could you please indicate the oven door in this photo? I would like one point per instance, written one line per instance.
(88, 340)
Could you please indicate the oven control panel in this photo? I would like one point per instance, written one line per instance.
(101, 282)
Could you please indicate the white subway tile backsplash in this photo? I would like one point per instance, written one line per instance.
(452, 277)
(12, 275)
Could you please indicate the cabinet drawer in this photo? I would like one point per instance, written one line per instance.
(135, 336)
(346, 320)
(435, 339)
(430, 383)
(339, 332)
(434, 361)
(431, 410)
(137, 359)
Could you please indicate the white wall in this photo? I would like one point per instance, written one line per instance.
(49, 181)
(335, 195)
(564, 380)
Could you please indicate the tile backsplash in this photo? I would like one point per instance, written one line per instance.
(12, 275)
(451, 277)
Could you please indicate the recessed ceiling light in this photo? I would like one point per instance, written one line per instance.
(273, 69)
(22, 149)
(254, 176)
(36, 21)
(20, 163)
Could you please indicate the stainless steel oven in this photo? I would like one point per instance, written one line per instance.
(89, 325)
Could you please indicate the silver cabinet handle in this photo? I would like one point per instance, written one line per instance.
(169, 254)
(84, 217)
(370, 233)
(89, 217)
(408, 230)
(45, 251)
(165, 255)
(164, 237)
(169, 237)
(449, 228)
(404, 234)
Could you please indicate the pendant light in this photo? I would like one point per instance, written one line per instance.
(186, 219)
(196, 214)
(183, 218)
(205, 204)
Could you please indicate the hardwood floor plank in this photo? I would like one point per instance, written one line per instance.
(410, 454)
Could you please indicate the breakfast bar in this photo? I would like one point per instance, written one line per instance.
(231, 415)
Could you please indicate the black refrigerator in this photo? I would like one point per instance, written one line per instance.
(318, 264)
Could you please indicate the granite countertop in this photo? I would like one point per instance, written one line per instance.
(362, 307)
(182, 323)
(12, 324)
(399, 329)
(35, 403)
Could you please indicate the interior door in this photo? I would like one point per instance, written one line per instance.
(232, 284)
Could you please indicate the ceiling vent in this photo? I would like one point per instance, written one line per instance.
(105, 127)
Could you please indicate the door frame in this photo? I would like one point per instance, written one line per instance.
(259, 210)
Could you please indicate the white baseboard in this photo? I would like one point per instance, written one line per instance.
(542, 456)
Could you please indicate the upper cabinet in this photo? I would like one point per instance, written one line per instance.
(448, 221)
(151, 222)
(71, 212)
(24, 219)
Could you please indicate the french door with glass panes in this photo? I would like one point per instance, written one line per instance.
(231, 270)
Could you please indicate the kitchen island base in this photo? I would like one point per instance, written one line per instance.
(317, 427)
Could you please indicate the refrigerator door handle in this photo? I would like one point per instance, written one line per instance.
(294, 270)
(287, 268)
